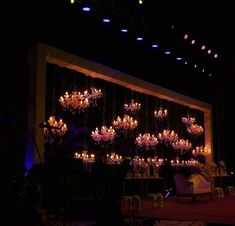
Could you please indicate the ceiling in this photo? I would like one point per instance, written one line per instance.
(64, 25)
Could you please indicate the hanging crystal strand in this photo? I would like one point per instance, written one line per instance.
(104, 105)
(156, 123)
(85, 148)
(146, 113)
(53, 106)
(114, 111)
(168, 118)
(92, 87)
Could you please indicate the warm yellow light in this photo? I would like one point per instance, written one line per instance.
(71, 1)
(140, 2)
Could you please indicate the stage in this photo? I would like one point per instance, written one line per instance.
(203, 210)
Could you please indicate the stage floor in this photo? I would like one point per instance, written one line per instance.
(213, 212)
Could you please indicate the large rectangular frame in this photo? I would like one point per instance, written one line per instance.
(41, 54)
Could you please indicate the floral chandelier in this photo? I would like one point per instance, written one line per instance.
(168, 136)
(160, 113)
(195, 129)
(146, 141)
(132, 107)
(188, 120)
(127, 123)
(77, 101)
(54, 129)
(182, 145)
(104, 135)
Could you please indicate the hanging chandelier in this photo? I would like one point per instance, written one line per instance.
(188, 120)
(195, 129)
(132, 107)
(127, 123)
(77, 101)
(168, 136)
(199, 150)
(146, 141)
(160, 113)
(95, 95)
(105, 134)
(54, 129)
(182, 145)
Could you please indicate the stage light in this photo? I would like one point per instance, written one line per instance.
(139, 39)
(193, 42)
(203, 70)
(71, 1)
(186, 36)
(215, 55)
(203, 47)
(209, 51)
(154, 45)
(186, 62)
(140, 2)
(124, 30)
(178, 58)
(86, 9)
(195, 66)
(106, 20)
(167, 52)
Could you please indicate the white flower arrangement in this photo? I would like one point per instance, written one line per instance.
(219, 192)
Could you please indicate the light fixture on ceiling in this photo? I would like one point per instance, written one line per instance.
(124, 30)
(154, 45)
(106, 20)
(86, 8)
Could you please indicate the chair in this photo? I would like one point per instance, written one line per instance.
(195, 185)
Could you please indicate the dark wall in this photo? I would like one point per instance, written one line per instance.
(61, 26)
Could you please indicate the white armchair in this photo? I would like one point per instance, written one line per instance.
(195, 185)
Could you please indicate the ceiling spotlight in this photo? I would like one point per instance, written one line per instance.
(195, 66)
(167, 52)
(139, 38)
(193, 42)
(186, 62)
(203, 47)
(215, 55)
(209, 51)
(154, 45)
(186, 36)
(71, 1)
(86, 9)
(140, 2)
(178, 58)
(106, 20)
(124, 30)
(203, 70)
(210, 75)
